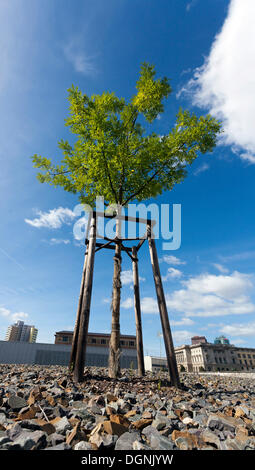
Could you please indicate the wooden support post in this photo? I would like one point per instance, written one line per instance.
(85, 308)
(77, 322)
(170, 353)
(138, 320)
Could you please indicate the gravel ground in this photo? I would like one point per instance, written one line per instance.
(41, 408)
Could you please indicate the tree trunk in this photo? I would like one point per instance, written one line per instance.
(114, 344)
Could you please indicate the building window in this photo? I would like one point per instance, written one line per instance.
(103, 341)
(122, 343)
(65, 339)
(93, 340)
(131, 343)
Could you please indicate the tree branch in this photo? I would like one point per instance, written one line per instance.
(109, 177)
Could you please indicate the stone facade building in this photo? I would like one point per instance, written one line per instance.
(214, 357)
(201, 356)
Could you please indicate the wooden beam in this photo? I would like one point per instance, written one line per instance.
(138, 320)
(77, 322)
(103, 245)
(125, 217)
(140, 244)
(85, 308)
(170, 353)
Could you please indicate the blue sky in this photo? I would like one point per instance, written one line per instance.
(205, 47)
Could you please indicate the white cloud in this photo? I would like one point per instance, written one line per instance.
(127, 277)
(182, 322)
(211, 295)
(170, 259)
(239, 256)
(55, 218)
(206, 295)
(58, 241)
(128, 303)
(172, 273)
(225, 83)
(76, 55)
(19, 316)
(191, 4)
(201, 169)
(182, 337)
(247, 329)
(220, 268)
(6, 313)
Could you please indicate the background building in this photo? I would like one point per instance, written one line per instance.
(21, 332)
(97, 351)
(220, 356)
(198, 339)
(221, 340)
(202, 356)
(96, 339)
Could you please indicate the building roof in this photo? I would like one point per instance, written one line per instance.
(107, 335)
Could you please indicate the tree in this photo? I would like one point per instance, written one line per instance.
(114, 157)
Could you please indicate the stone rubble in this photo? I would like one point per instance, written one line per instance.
(41, 408)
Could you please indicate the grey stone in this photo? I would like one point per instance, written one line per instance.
(159, 442)
(126, 440)
(83, 445)
(95, 409)
(137, 445)
(210, 438)
(131, 397)
(56, 392)
(2, 418)
(62, 446)
(77, 405)
(16, 403)
(62, 425)
(171, 415)
(113, 404)
(60, 411)
(15, 431)
(155, 440)
(103, 440)
(89, 425)
(54, 439)
(4, 440)
(161, 422)
(24, 441)
(216, 422)
(123, 406)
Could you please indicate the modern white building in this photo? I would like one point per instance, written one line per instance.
(21, 332)
(155, 364)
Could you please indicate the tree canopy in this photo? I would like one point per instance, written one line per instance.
(113, 155)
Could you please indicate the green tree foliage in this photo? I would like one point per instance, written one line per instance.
(114, 157)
